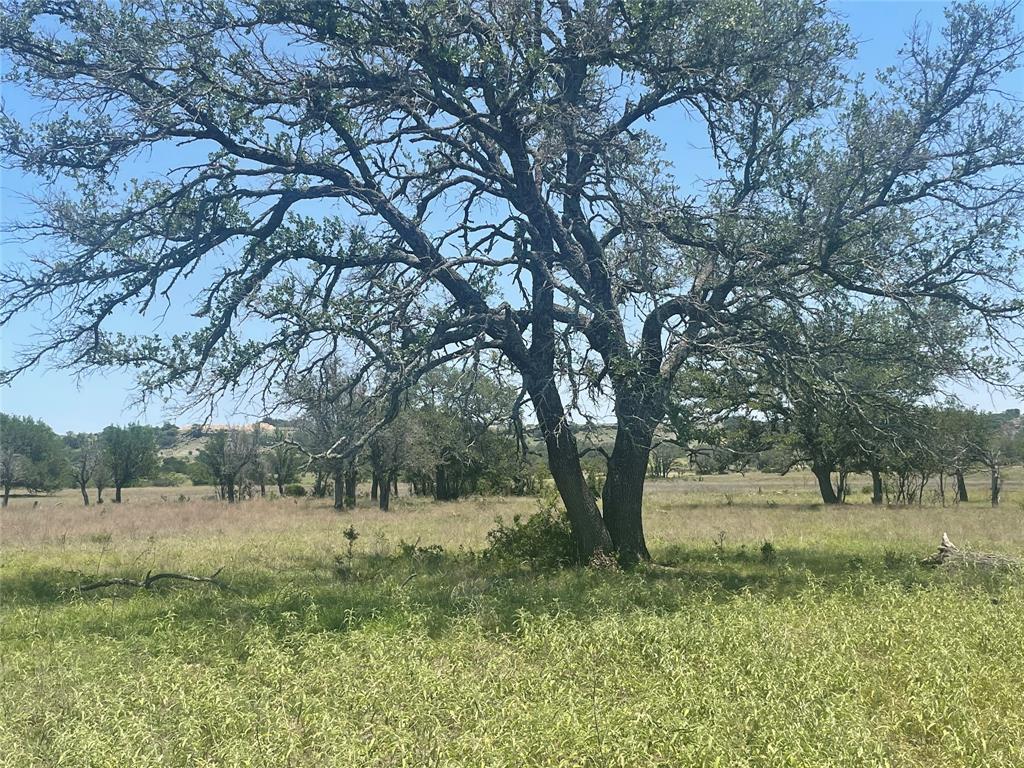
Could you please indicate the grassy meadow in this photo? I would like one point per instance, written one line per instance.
(773, 632)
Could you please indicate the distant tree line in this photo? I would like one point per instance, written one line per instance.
(451, 437)
(448, 442)
(854, 388)
(933, 447)
(34, 458)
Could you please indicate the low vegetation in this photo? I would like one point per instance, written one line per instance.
(773, 631)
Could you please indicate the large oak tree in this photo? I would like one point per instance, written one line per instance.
(422, 180)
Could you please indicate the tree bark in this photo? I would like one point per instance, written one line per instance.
(589, 532)
(997, 485)
(7, 496)
(876, 487)
(351, 480)
(339, 488)
(117, 493)
(824, 477)
(374, 486)
(320, 484)
(961, 486)
(623, 496)
(84, 488)
(841, 485)
(385, 494)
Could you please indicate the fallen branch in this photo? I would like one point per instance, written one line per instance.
(950, 555)
(152, 578)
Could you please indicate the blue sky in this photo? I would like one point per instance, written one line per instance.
(90, 403)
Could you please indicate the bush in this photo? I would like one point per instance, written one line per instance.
(295, 489)
(431, 555)
(543, 539)
(162, 480)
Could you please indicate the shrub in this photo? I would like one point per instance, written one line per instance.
(164, 480)
(543, 539)
(295, 489)
(431, 555)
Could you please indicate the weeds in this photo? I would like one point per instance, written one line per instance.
(831, 648)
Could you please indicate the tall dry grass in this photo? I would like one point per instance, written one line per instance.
(687, 511)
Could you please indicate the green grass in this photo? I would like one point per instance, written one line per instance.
(839, 651)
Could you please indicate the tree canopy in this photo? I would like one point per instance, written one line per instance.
(416, 181)
(129, 453)
(31, 456)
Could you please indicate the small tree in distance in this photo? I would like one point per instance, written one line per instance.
(230, 455)
(130, 454)
(87, 462)
(284, 461)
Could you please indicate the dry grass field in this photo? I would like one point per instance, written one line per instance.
(689, 510)
(831, 647)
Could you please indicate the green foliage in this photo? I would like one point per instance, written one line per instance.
(231, 457)
(166, 435)
(31, 455)
(165, 480)
(129, 452)
(200, 474)
(283, 460)
(544, 539)
(295, 489)
(430, 555)
(176, 464)
(595, 482)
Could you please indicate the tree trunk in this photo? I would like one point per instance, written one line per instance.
(440, 483)
(446, 486)
(117, 493)
(7, 495)
(394, 484)
(99, 494)
(842, 488)
(997, 484)
(351, 481)
(320, 484)
(385, 494)
(623, 495)
(339, 488)
(961, 486)
(589, 532)
(374, 486)
(230, 484)
(824, 477)
(84, 488)
(876, 487)
(280, 488)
